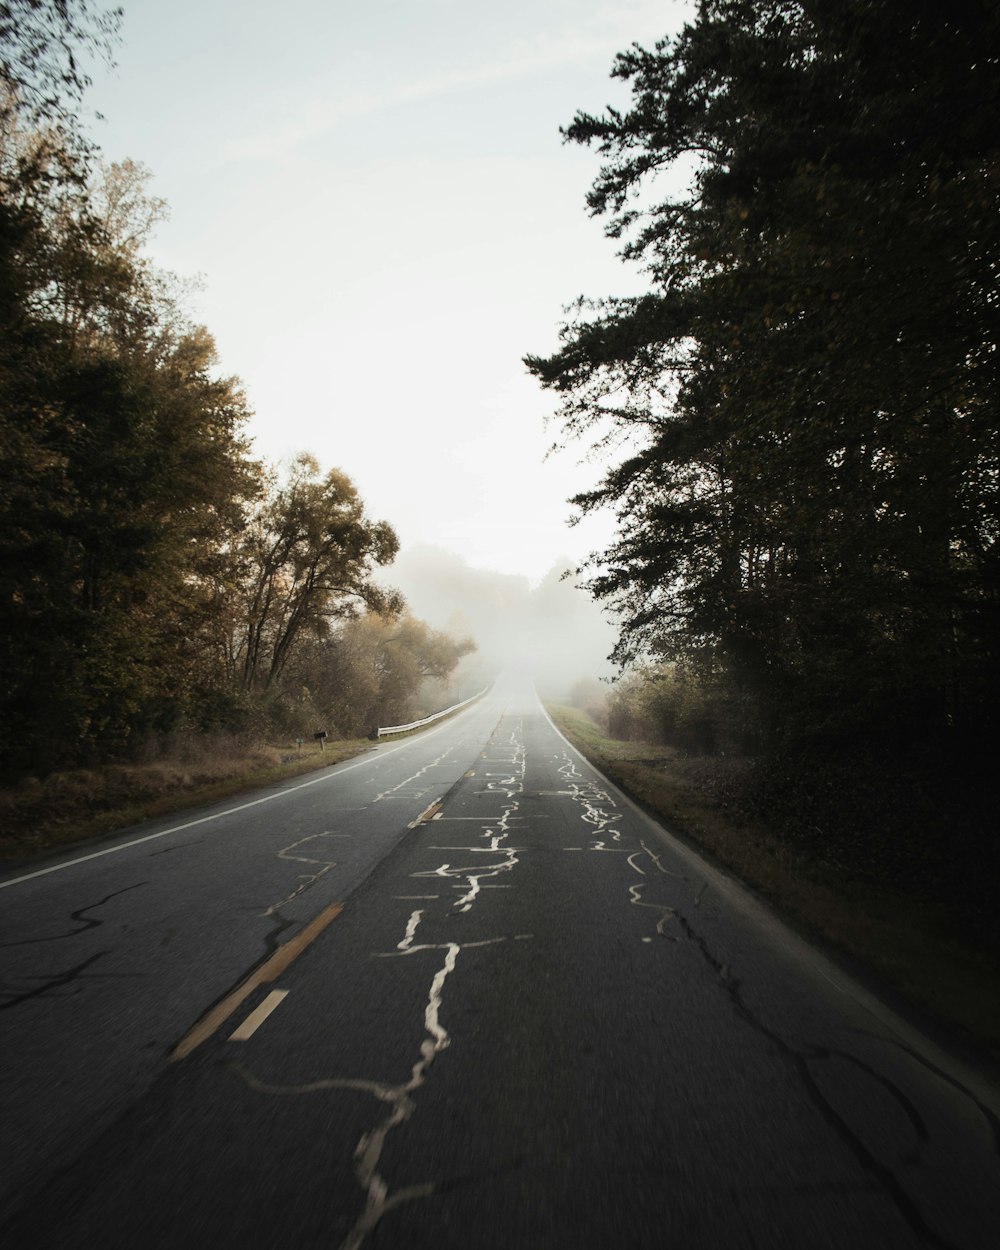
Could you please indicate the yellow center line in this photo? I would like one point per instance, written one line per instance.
(427, 814)
(268, 972)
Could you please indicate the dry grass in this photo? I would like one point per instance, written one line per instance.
(39, 816)
(907, 941)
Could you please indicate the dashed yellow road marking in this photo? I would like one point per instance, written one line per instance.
(268, 972)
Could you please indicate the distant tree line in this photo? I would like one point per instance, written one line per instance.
(154, 575)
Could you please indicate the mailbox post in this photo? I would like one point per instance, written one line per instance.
(320, 737)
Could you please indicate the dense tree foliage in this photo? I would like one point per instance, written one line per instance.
(806, 398)
(304, 559)
(123, 463)
(154, 576)
(378, 669)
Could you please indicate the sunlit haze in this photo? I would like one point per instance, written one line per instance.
(385, 220)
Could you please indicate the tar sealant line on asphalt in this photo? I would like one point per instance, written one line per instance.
(635, 898)
(590, 795)
(411, 928)
(308, 879)
(379, 1198)
(368, 1153)
(419, 773)
(495, 830)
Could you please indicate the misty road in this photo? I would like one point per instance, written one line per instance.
(456, 993)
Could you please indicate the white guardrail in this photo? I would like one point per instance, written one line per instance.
(386, 731)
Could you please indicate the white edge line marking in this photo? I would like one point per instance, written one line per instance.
(230, 811)
(257, 1017)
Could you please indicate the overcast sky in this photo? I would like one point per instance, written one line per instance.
(385, 218)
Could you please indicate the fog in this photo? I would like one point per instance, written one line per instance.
(552, 632)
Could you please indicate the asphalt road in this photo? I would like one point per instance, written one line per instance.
(456, 993)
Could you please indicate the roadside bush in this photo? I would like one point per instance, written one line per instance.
(591, 696)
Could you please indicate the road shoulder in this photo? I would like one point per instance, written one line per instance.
(893, 943)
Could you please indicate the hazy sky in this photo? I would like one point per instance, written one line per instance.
(379, 203)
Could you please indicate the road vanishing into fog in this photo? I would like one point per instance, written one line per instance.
(456, 992)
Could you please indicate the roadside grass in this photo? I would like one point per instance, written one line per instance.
(913, 943)
(38, 817)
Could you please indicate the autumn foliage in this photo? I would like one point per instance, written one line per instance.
(155, 577)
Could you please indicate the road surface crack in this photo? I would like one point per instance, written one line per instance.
(379, 1199)
(307, 879)
(53, 981)
(84, 921)
(799, 1061)
(415, 777)
(990, 1116)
